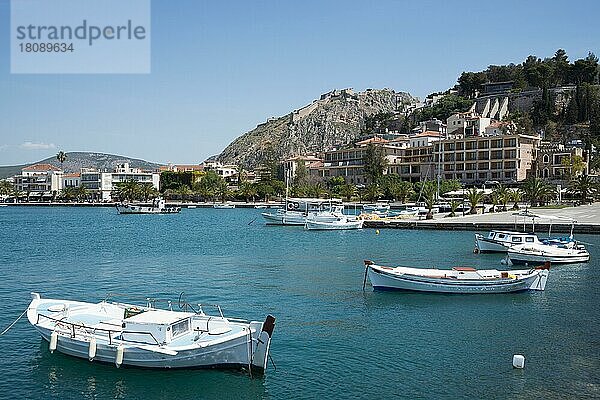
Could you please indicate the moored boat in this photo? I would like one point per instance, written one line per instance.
(457, 280)
(149, 337)
(296, 211)
(158, 207)
(379, 207)
(556, 254)
(223, 205)
(343, 223)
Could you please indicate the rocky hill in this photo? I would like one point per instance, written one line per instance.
(77, 160)
(335, 119)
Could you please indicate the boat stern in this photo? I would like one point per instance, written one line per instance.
(539, 283)
(261, 352)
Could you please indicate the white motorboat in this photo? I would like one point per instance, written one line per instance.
(379, 207)
(457, 280)
(342, 223)
(296, 211)
(223, 205)
(158, 207)
(539, 252)
(145, 336)
(500, 241)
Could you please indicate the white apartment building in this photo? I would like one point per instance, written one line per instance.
(39, 179)
(101, 184)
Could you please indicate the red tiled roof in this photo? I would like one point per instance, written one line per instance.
(75, 175)
(375, 139)
(41, 168)
(428, 134)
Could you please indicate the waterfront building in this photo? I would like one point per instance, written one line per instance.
(71, 180)
(101, 184)
(311, 163)
(39, 180)
(477, 159)
(551, 164)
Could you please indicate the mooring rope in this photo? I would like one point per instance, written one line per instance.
(14, 322)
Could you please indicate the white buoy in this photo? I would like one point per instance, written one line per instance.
(518, 361)
(92, 349)
(119, 358)
(53, 341)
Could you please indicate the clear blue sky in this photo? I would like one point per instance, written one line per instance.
(221, 67)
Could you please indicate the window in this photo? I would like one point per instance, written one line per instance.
(529, 239)
(546, 158)
(180, 327)
(517, 240)
(501, 236)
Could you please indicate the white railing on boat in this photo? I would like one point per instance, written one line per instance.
(74, 328)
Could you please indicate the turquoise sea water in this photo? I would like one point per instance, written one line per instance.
(331, 340)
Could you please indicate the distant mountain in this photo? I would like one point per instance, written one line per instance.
(337, 118)
(78, 159)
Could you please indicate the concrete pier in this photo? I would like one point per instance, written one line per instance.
(587, 217)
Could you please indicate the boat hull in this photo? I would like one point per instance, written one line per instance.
(521, 258)
(489, 246)
(122, 209)
(231, 354)
(316, 225)
(284, 218)
(209, 342)
(382, 280)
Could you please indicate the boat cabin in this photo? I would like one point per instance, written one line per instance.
(308, 205)
(511, 238)
(156, 326)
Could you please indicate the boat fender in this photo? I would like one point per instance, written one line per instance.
(92, 349)
(475, 250)
(119, 356)
(53, 341)
(518, 361)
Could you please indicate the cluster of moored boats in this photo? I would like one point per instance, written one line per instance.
(144, 335)
(313, 214)
(521, 248)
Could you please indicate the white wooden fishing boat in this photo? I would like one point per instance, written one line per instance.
(556, 254)
(223, 205)
(379, 207)
(296, 211)
(158, 207)
(457, 280)
(149, 337)
(342, 223)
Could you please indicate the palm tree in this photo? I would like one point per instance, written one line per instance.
(316, 190)
(147, 190)
(247, 190)
(16, 194)
(584, 188)
(502, 194)
(429, 192)
(128, 190)
(537, 191)
(5, 187)
(222, 190)
(404, 191)
(347, 191)
(373, 192)
(515, 196)
(474, 196)
(453, 207)
(183, 191)
(80, 193)
(61, 156)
